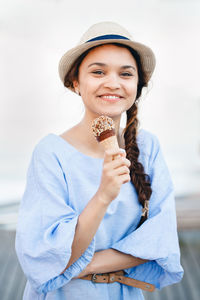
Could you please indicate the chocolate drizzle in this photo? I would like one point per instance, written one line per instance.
(105, 134)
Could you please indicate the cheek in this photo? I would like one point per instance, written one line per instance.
(85, 89)
(88, 86)
(132, 88)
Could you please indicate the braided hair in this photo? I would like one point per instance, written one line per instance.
(140, 180)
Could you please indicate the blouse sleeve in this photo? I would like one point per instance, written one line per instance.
(46, 226)
(156, 239)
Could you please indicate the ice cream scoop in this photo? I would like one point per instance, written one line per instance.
(103, 128)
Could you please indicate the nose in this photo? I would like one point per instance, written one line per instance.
(112, 81)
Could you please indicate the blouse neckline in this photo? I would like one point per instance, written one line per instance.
(75, 149)
(66, 143)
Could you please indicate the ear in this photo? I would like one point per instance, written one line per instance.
(76, 87)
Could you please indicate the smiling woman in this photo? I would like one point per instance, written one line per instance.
(94, 216)
(106, 77)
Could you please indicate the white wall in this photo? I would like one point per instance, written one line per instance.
(33, 37)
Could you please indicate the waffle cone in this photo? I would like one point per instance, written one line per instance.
(110, 143)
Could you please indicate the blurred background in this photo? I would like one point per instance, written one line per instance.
(33, 37)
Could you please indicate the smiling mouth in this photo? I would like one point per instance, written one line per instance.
(110, 98)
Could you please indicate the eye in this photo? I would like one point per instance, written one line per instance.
(126, 74)
(98, 72)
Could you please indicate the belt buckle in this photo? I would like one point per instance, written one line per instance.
(94, 278)
(110, 277)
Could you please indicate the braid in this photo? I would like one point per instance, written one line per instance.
(140, 180)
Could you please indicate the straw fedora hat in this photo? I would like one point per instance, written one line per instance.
(104, 33)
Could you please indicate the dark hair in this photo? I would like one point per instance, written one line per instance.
(140, 180)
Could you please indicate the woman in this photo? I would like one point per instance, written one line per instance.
(90, 226)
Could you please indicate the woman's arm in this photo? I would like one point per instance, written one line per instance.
(92, 215)
(87, 225)
(111, 260)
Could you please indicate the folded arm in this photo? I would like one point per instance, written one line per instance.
(111, 260)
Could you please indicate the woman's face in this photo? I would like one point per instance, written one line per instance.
(108, 80)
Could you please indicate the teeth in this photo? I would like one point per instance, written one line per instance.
(111, 97)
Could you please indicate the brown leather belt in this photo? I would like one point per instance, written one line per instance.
(119, 277)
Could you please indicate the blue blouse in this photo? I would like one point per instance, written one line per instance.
(60, 182)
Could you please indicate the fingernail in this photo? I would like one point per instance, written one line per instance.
(123, 152)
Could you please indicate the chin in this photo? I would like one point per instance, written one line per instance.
(110, 114)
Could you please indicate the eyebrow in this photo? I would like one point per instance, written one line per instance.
(104, 65)
(98, 64)
(128, 67)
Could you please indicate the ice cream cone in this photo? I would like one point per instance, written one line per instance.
(110, 143)
(104, 131)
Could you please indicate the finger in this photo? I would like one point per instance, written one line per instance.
(125, 178)
(111, 153)
(120, 161)
(121, 171)
(115, 164)
(123, 152)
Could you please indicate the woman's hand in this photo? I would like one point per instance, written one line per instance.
(115, 173)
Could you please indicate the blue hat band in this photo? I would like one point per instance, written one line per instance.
(108, 37)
